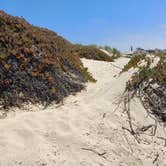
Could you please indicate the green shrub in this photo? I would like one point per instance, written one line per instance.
(91, 52)
(88, 75)
(134, 61)
(116, 53)
(145, 73)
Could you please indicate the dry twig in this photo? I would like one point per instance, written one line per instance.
(101, 154)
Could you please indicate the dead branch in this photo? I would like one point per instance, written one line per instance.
(156, 158)
(133, 134)
(143, 129)
(131, 149)
(101, 154)
(138, 131)
(127, 110)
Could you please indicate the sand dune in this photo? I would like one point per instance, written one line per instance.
(85, 131)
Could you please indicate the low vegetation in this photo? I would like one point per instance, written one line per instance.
(95, 52)
(148, 83)
(91, 52)
(134, 62)
(36, 65)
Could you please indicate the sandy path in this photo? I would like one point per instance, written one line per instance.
(85, 131)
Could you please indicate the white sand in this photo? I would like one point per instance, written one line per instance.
(63, 136)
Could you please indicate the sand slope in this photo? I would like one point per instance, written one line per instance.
(85, 131)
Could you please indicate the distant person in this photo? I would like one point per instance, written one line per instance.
(131, 48)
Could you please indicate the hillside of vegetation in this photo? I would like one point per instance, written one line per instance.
(148, 83)
(36, 65)
(91, 52)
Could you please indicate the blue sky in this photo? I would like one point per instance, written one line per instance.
(118, 23)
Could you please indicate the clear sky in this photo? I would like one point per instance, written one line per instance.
(118, 23)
